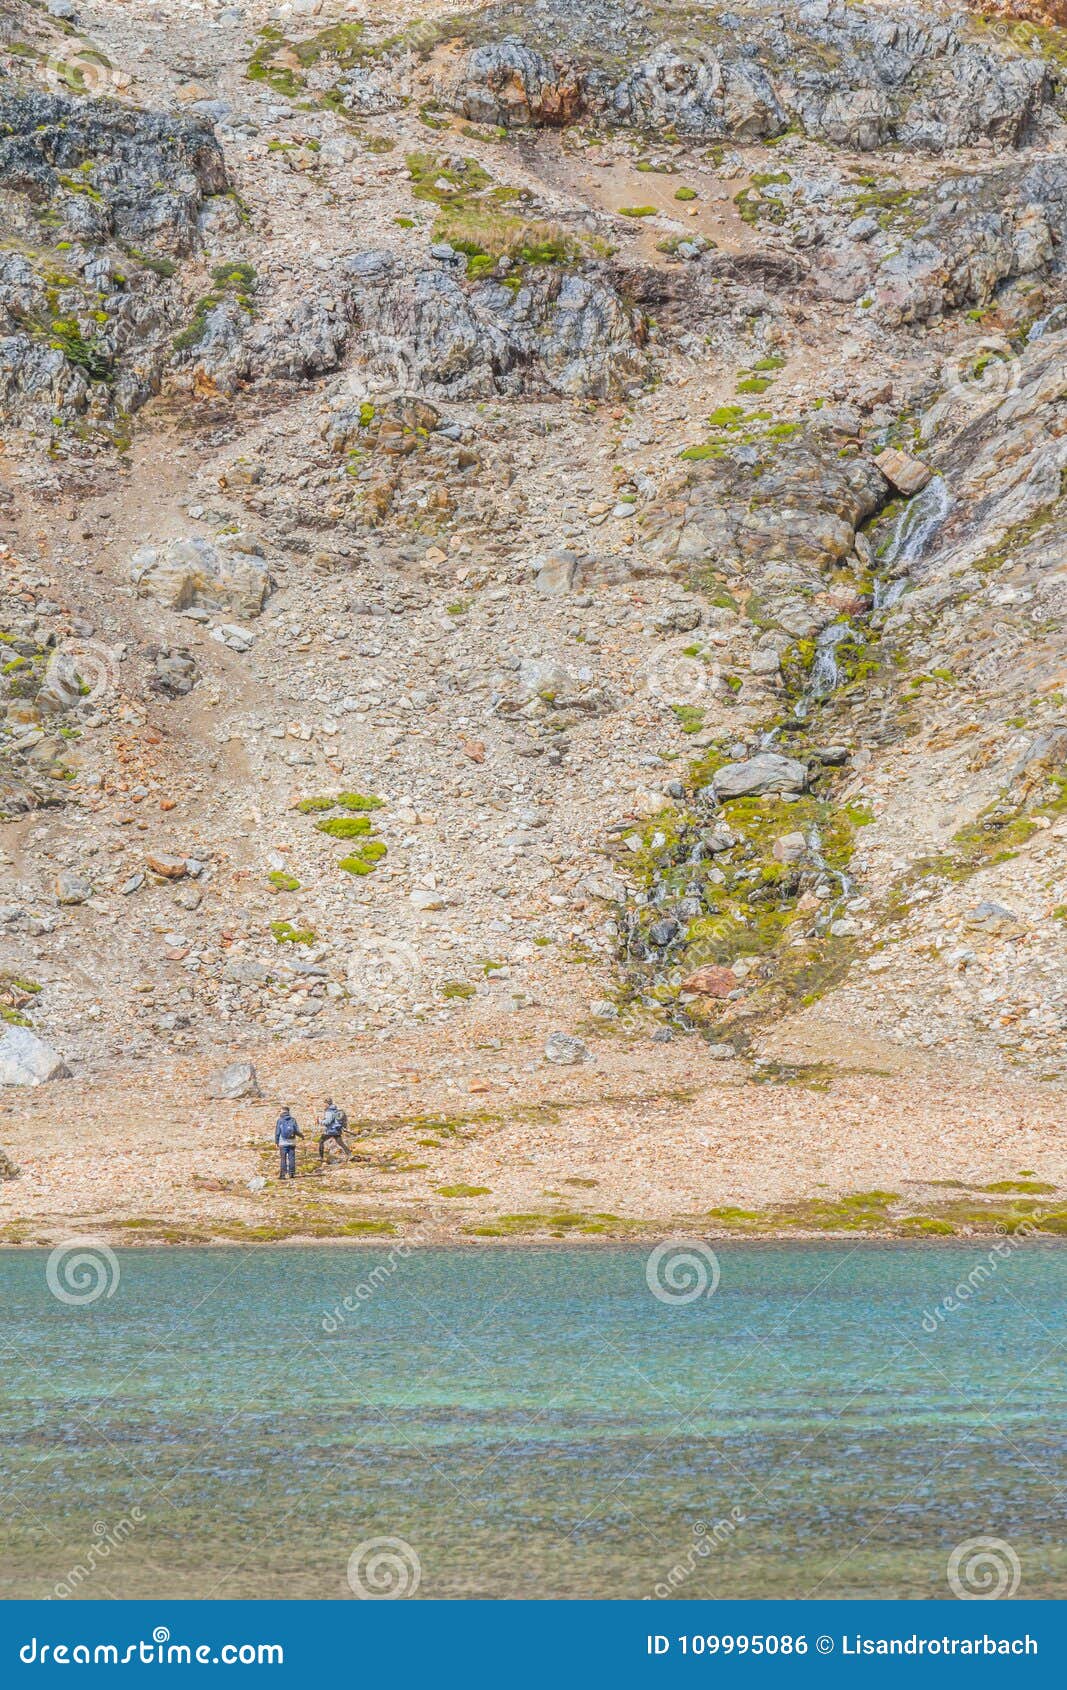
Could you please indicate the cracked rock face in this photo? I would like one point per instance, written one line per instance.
(846, 76)
(773, 521)
(103, 202)
(568, 334)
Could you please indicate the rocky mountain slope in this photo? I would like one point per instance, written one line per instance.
(536, 520)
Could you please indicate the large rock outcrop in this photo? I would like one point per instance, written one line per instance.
(102, 201)
(848, 75)
(229, 574)
(430, 332)
(770, 521)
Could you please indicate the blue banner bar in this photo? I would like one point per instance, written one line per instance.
(550, 1645)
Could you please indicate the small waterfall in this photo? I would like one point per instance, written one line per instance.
(844, 881)
(919, 521)
(825, 675)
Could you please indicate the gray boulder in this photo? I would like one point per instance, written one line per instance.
(25, 1060)
(233, 1082)
(565, 1050)
(769, 772)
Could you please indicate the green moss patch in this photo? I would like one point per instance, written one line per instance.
(284, 933)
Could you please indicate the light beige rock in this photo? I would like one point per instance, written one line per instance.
(908, 475)
(228, 574)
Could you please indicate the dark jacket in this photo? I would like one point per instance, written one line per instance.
(287, 1131)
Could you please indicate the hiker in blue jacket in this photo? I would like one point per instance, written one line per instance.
(334, 1122)
(286, 1133)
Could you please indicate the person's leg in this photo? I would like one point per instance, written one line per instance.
(322, 1147)
(281, 1161)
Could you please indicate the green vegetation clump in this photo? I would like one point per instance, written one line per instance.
(284, 933)
(235, 280)
(484, 220)
(366, 860)
(344, 827)
(283, 882)
(637, 211)
(690, 717)
(458, 989)
(358, 801)
(685, 193)
(90, 355)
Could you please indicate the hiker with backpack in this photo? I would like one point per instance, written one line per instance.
(286, 1133)
(334, 1123)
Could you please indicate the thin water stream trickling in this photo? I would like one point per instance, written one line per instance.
(916, 526)
(825, 676)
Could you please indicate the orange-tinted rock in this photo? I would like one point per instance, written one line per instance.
(712, 982)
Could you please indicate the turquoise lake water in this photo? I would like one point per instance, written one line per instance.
(532, 1422)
